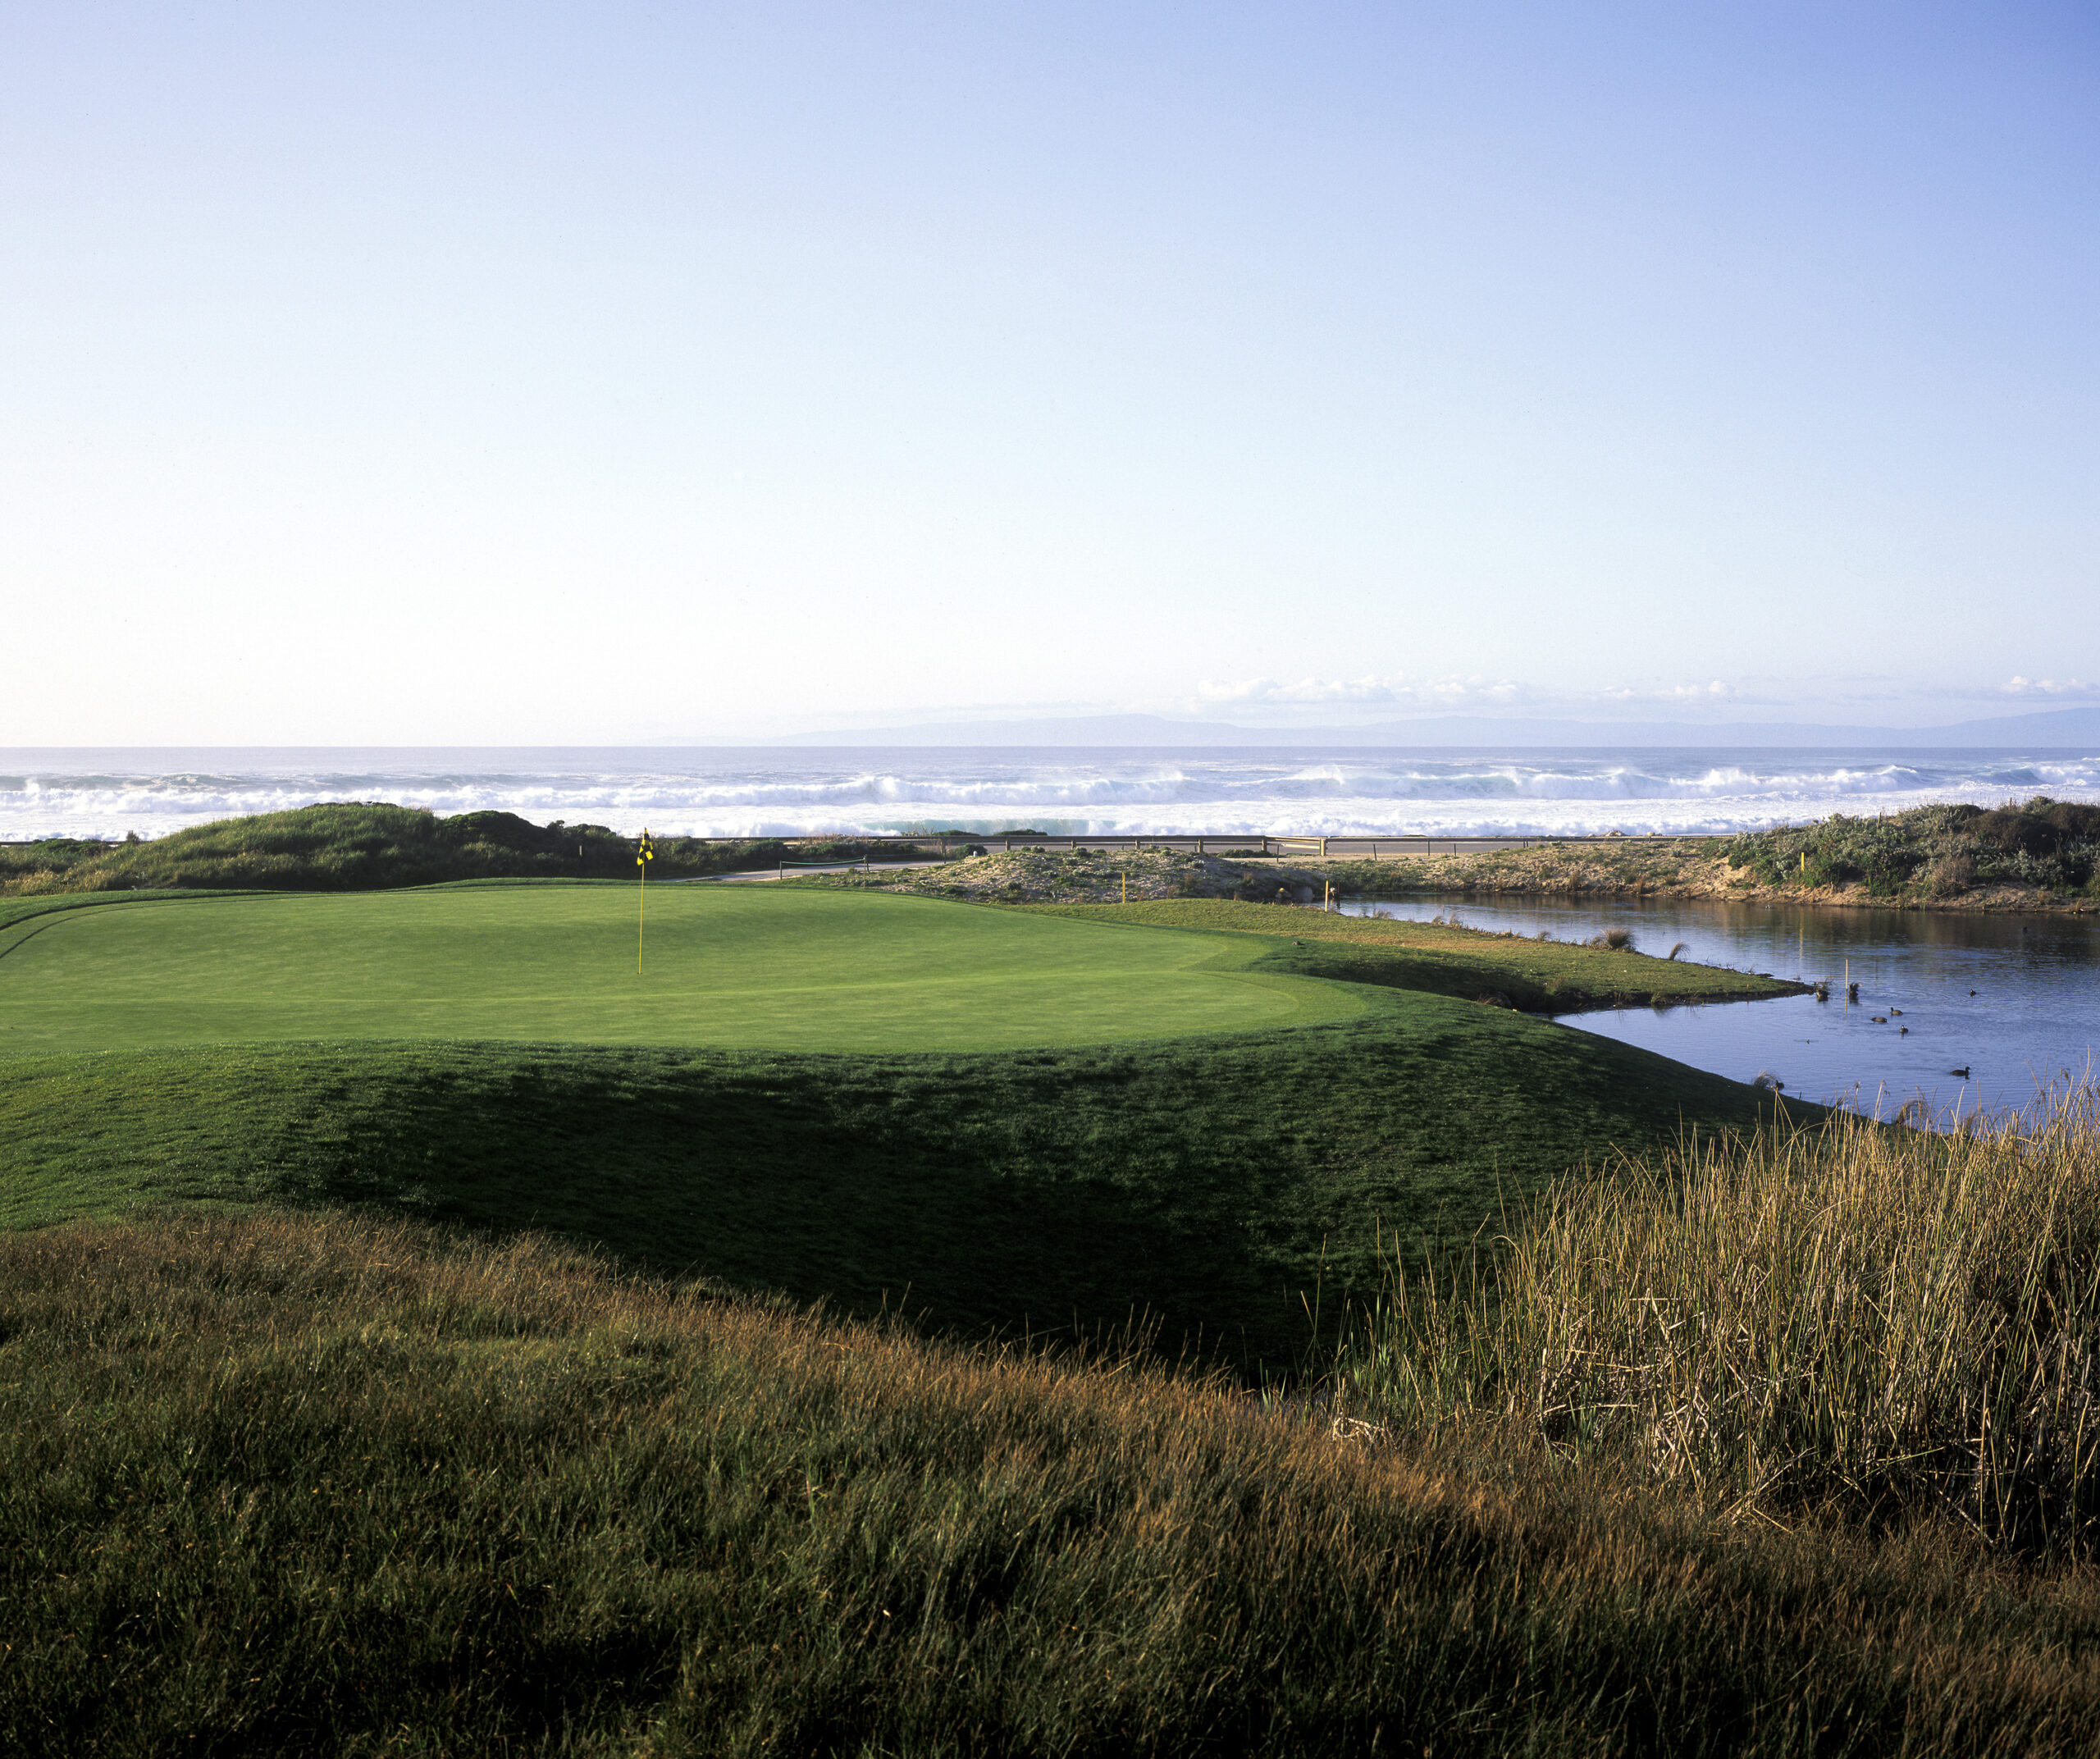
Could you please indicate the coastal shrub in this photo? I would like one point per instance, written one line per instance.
(43, 866)
(2042, 827)
(2050, 872)
(2046, 843)
(356, 845)
(1952, 874)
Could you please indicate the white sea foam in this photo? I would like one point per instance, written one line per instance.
(776, 793)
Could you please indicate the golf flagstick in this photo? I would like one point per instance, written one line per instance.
(644, 855)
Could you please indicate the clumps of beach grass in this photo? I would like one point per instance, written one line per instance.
(1880, 1322)
(318, 1484)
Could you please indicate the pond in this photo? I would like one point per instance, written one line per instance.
(1959, 1009)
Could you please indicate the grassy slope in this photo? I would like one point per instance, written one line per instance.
(24, 907)
(724, 965)
(1201, 1178)
(1536, 976)
(297, 1485)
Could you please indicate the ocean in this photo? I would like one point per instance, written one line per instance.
(752, 791)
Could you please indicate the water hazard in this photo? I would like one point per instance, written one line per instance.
(1978, 1010)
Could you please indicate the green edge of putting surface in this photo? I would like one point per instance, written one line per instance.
(723, 965)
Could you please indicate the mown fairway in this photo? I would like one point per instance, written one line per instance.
(734, 966)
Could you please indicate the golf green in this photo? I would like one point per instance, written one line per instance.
(726, 966)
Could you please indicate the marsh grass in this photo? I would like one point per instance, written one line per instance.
(1874, 1319)
(316, 1484)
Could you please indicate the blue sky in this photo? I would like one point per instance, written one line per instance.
(517, 373)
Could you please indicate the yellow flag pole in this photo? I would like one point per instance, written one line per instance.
(644, 855)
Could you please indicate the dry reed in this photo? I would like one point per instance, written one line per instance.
(1857, 1315)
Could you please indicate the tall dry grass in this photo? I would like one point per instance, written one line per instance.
(310, 1484)
(1879, 1319)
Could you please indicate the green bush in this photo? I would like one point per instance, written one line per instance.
(359, 845)
(1938, 850)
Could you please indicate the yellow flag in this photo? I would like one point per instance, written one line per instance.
(644, 853)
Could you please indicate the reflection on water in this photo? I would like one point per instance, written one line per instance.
(2011, 1000)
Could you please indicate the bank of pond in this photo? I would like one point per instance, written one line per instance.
(1952, 1010)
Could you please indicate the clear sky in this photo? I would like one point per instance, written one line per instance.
(453, 373)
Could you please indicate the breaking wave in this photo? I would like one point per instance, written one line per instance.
(755, 792)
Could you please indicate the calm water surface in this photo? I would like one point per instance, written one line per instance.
(2014, 1001)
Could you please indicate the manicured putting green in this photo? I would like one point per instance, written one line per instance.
(727, 965)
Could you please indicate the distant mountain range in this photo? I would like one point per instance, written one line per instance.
(2052, 729)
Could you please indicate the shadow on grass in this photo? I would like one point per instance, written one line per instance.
(1205, 1185)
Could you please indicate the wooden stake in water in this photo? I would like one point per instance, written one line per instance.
(644, 855)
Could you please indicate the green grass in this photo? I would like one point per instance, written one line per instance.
(722, 966)
(286, 1468)
(306, 1485)
(1204, 1181)
(24, 907)
(806, 1092)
